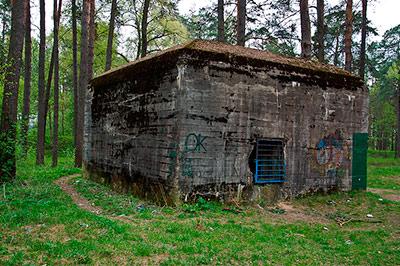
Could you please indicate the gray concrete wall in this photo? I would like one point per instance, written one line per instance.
(130, 131)
(228, 107)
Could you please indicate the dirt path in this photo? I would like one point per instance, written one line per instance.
(63, 183)
(290, 214)
(388, 194)
(83, 203)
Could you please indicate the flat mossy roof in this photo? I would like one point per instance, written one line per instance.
(223, 52)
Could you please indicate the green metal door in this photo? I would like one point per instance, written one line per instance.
(359, 161)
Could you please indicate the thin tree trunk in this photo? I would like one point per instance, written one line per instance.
(92, 36)
(111, 34)
(41, 90)
(397, 153)
(146, 5)
(50, 125)
(241, 22)
(62, 111)
(10, 93)
(83, 82)
(336, 54)
(74, 65)
(3, 36)
(348, 35)
(57, 13)
(27, 79)
(48, 86)
(361, 71)
(221, 21)
(305, 29)
(321, 30)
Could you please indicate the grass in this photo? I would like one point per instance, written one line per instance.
(383, 171)
(39, 224)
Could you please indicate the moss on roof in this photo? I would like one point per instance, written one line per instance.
(226, 50)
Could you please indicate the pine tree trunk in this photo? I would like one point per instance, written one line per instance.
(397, 153)
(321, 30)
(111, 34)
(48, 87)
(241, 22)
(57, 13)
(92, 36)
(41, 90)
(144, 27)
(74, 65)
(27, 79)
(361, 71)
(3, 35)
(348, 35)
(336, 54)
(221, 21)
(10, 93)
(83, 82)
(305, 29)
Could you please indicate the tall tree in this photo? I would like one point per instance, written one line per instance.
(83, 82)
(41, 84)
(320, 30)
(221, 21)
(56, 18)
(241, 22)
(10, 93)
(305, 29)
(27, 78)
(361, 71)
(74, 65)
(348, 35)
(146, 5)
(91, 40)
(5, 21)
(111, 27)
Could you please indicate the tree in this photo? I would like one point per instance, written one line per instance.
(27, 78)
(41, 87)
(348, 35)
(320, 30)
(91, 41)
(83, 81)
(394, 75)
(5, 23)
(111, 34)
(305, 29)
(221, 21)
(241, 22)
(74, 65)
(56, 18)
(10, 92)
(361, 71)
(145, 15)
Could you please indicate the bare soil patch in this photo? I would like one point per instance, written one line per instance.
(295, 213)
(388, 194)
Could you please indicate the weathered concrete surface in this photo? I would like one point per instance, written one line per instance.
(188, 128)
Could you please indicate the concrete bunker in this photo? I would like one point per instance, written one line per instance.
(217, 120)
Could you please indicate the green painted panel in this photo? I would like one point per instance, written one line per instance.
(359, 161)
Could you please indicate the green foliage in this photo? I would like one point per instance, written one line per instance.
(7, 155)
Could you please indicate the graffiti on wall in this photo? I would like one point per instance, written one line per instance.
(331, 152)
(194, 143)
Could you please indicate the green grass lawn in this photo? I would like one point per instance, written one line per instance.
(39, 224)
(383, 171)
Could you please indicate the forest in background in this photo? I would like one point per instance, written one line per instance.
(43, 78)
